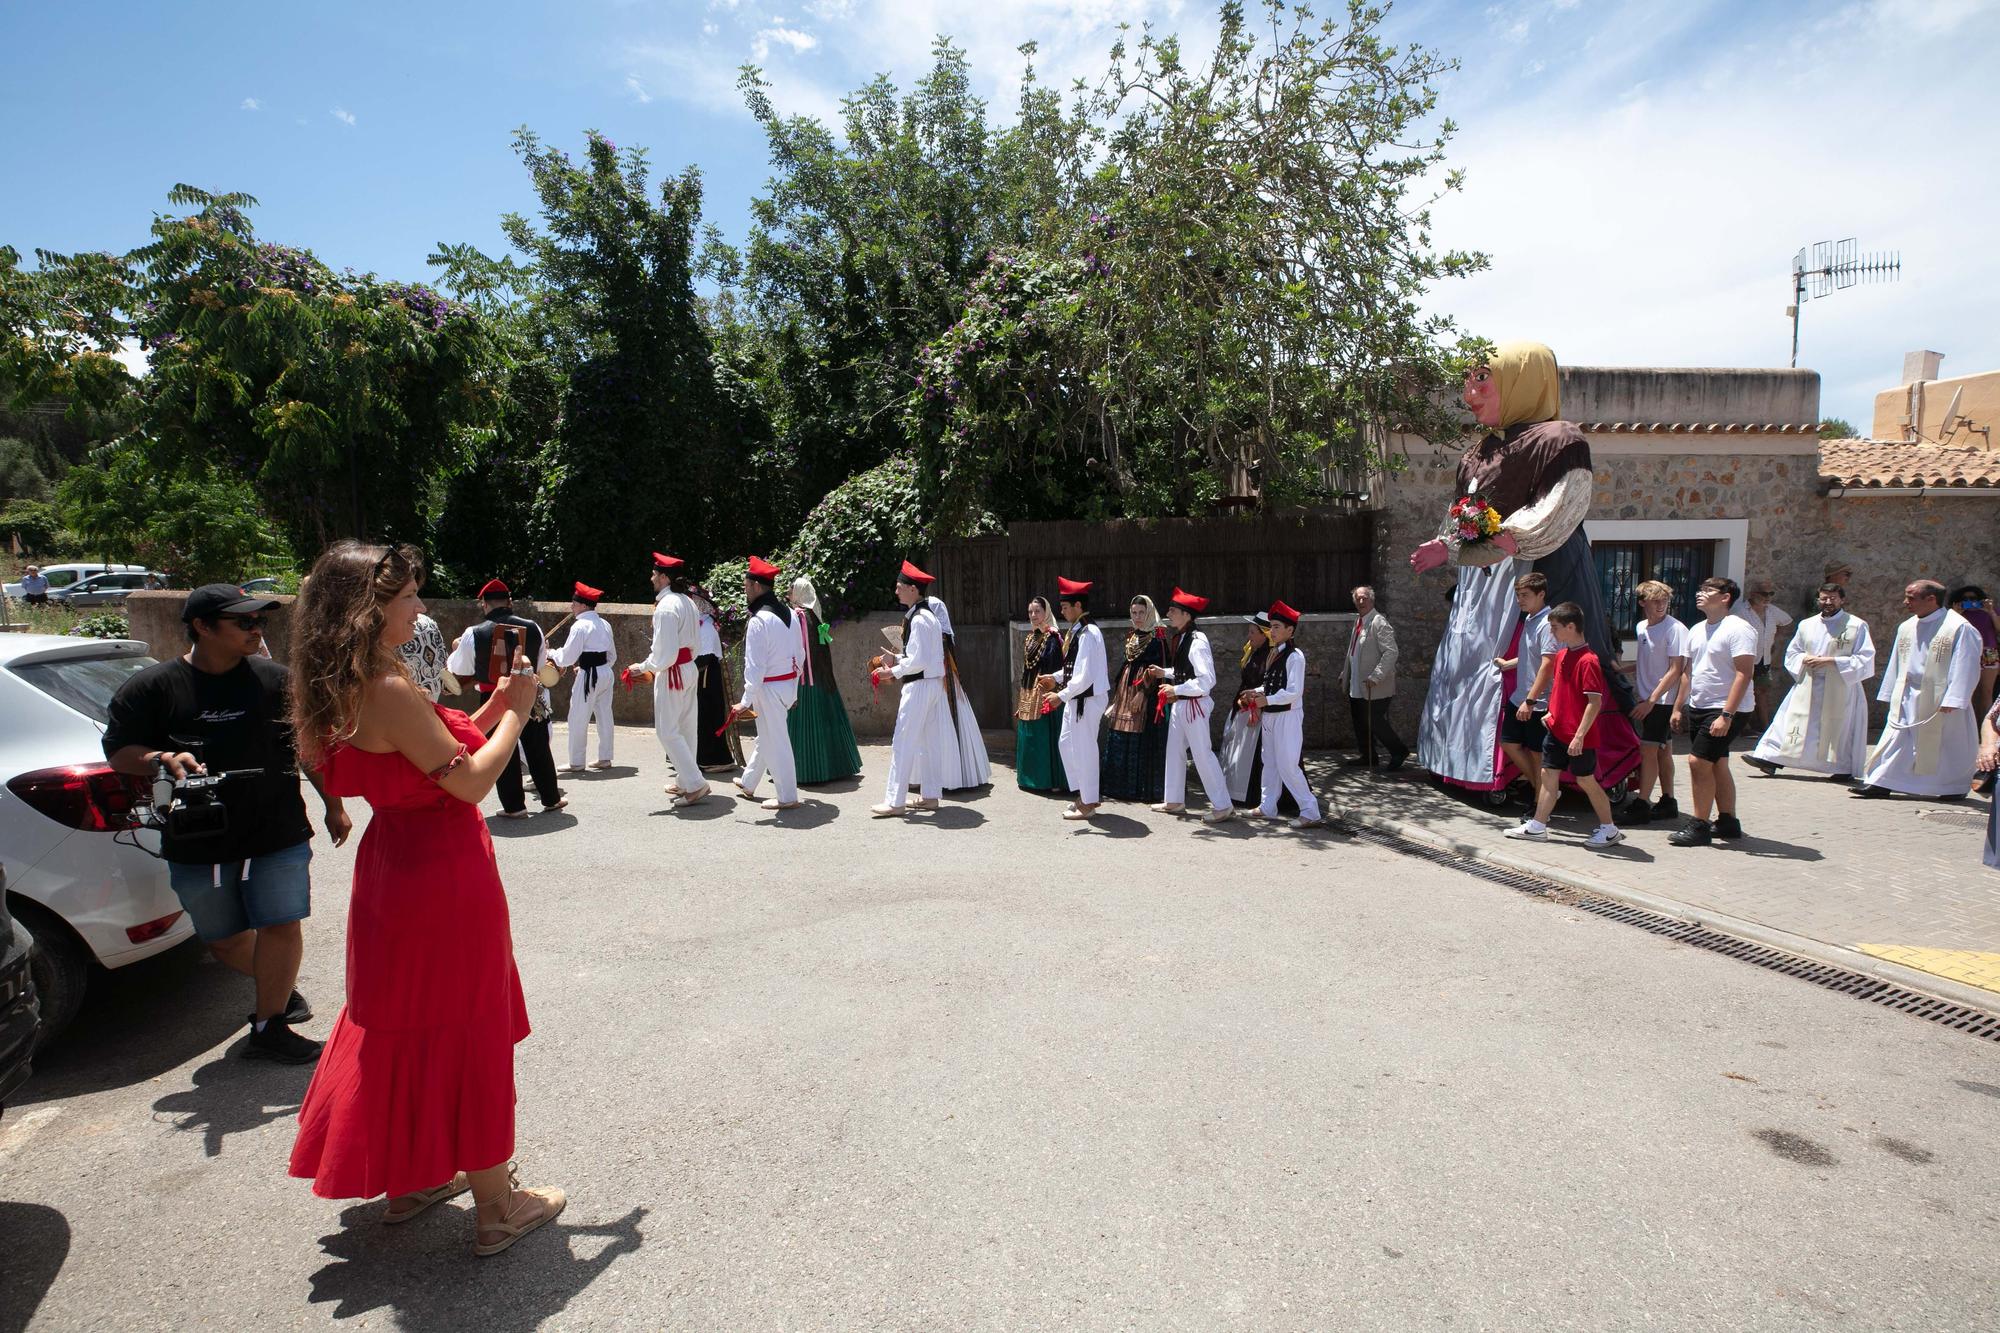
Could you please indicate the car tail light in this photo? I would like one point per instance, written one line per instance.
(93, 797)
(152, 930)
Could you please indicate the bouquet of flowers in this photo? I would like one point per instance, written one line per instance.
(1469, 525)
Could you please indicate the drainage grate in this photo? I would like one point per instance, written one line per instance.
(1843, 980)
(1954, 818)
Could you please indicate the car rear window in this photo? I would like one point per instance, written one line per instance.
(83, 683)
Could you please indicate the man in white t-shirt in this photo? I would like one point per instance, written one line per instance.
(1771, 620)
(1662, 661)
(1713, 702)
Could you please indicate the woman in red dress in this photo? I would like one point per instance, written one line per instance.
(414, 1094)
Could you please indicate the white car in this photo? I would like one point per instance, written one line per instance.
(85, 883)
(106, 589)
(62, 576)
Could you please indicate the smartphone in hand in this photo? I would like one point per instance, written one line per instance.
(506, 642)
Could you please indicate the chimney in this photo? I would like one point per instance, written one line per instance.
(1921, 366)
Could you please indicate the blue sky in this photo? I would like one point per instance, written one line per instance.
(1642, 170)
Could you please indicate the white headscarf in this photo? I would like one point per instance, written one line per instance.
(803, 594)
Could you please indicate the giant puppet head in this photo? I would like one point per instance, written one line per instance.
(1516, 384)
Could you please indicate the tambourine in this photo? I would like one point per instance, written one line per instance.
(549, 674)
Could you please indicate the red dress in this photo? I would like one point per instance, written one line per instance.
(417, 1080)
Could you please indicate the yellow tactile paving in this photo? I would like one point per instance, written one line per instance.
(1963, 965)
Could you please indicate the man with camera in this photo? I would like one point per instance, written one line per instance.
(237, 847)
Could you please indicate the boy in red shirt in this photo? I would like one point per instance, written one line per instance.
(1576, 696)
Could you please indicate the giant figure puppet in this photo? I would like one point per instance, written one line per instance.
(1534, 469)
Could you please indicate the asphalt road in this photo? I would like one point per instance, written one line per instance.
(986, 1069)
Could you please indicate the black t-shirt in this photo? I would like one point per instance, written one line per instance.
(240, 719)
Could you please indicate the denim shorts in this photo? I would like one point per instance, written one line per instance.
(225, 900)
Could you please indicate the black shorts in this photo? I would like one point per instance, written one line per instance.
(1556, 757)
(1513, 731)
(35, 598)
(1657, 727)
(1701, 744)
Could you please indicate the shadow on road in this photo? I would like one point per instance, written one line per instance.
(945, 816)
(812, 814)
(140, 1021)
(852, 782)
(425, 1274)
(1113, 826)
(603, 774)
(552, 821)
(231, 1095)
(36, 1243)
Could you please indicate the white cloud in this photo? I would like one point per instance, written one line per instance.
(1647, 213)
(250, 104)
(343, 115)
(637, 89)
(799, 41)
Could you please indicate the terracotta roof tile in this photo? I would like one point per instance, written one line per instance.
(1864, 463)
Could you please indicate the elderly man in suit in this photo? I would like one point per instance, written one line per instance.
(1371, 684)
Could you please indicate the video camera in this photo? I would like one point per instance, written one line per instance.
(189, 807)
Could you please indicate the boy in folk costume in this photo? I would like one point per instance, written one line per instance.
(770, 684)
(1930, 744)
(1280, 705)
(1082, 687)
(590, 649)
(922, 726)
(1822, 725)
(1185, 688)
(670, 664)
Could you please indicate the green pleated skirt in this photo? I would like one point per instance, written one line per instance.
(822, 741)
(1037, 764)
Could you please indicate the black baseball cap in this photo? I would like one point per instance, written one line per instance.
(222, 599)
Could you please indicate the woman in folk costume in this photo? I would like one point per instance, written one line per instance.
(711, 737)
(1534, 469)
(965, 762)
(1037, 764)
(771, 665)
(822, 738)
(1135, 748)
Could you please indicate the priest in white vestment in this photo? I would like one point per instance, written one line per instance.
(1822, 725)
(1930, 743)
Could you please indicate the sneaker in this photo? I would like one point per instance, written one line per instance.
(1666, 810)
(297, 1010)
(1607, 835)
(1727, 827)
(1638, 810)
(1530, 831)
(278, 1042)
(1761, 765)
(1694, 833)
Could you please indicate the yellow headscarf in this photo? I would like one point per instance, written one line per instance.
(1529, 390)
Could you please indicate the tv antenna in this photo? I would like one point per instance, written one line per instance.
(1836, 265)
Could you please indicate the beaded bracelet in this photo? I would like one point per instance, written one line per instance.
(440, 774)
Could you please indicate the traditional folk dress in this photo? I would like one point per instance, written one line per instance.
(1922, 750)
(676, 636)
(590, 649)
(1135, 744)
(1537, 473)
(1822, 725)
(923, 732)
(711, 692)
(1037, 766)
(1282, 732)
(1085, 688)
(771, 687)
(965, 763)
(1239, 732)
(1191, 677)
(822, 737)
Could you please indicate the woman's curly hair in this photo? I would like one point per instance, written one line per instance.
(337, 639)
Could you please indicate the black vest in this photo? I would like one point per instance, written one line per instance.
(1184, 655)
(1070, 646)
(1274, 675)
(482, 645)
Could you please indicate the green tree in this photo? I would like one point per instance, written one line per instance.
(60, 329)
(21, 477)
(1835, 428)
(200, 525)
(36, 524)
(1230, 308)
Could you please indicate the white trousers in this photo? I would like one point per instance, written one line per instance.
(673, 722)
(922, 726)
(584, 707)
(1077, 744)
(1188, 734)
(1284, 740)
(774, 743)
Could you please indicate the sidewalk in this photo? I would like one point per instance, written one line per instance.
(1878, 886)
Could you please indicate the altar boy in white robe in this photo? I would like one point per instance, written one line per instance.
(1822, 725)
(770, 685)
(916, 754)
(1930, 743)
(1185, 688)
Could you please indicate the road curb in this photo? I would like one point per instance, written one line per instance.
(1756, 932)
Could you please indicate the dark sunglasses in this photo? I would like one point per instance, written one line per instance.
(248, 622)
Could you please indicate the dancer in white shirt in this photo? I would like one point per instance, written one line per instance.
(1185, 690)
(590, 650)
(1082, 687)
(916, 755)
(670, 664)
(770, 685)
(1280, 705)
